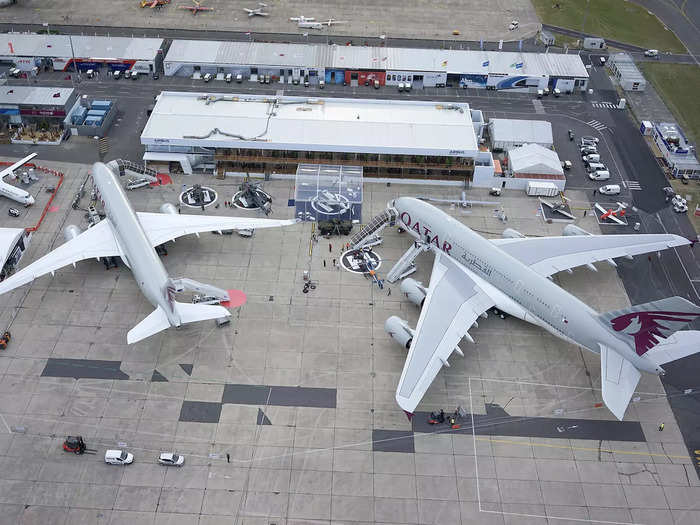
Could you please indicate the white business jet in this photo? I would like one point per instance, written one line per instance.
(13, 192)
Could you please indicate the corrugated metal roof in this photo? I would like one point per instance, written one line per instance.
(300, 123)
(385, 58)
(33, 45)
(34, 96)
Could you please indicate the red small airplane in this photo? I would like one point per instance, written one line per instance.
(614, 215)
(196, 8)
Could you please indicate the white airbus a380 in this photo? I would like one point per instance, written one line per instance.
(133, 236)
(472, 274)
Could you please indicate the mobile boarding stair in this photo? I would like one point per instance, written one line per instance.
(370, 234)
(139, 175)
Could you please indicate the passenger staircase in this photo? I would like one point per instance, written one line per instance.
(404, 266)
(371, 230)
(126, 167)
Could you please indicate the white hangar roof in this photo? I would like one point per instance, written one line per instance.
(520, 131)
(313, 124)
(384, 58)
(97, 47)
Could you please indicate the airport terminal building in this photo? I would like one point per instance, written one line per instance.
(233, 134)
(356, 65)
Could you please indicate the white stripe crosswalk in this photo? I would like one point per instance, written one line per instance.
(597, 125)
(633, 185)
(608, 105)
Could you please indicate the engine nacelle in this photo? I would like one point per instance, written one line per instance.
(510, 233)
(168, 208)
(399, 331)
(71, 232)
(414, 291)
(572, 229)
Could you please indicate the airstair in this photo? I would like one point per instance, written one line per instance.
(371, 230)
(139, 174)
(404, 266)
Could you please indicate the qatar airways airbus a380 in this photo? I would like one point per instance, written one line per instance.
(472, 274)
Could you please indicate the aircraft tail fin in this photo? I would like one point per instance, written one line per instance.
(190, 313)
(648, 325)
(618, 378)
(152, 324)
(157, 320)
(678, 345)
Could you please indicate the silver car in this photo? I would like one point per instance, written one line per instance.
(170, 459)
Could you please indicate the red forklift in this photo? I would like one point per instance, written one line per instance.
(74, 444)
(5, 340)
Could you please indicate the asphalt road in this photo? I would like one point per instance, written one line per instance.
(682, 17)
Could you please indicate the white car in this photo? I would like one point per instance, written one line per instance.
(170, 459)
(651, 53)
(610, 189)
(513, 25)
(118, 457)
(680, 205)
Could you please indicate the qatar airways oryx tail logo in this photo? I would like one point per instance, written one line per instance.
(646, 327)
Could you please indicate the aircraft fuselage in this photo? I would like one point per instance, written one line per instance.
(520, 291)
(138, 252)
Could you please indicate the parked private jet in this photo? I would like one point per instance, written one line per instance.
(13, 192)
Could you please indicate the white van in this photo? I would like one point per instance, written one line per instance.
(207, 77)
(90, 73)
(595, 166)
(118, 457)
(599, 175)
(117, 74)
(228, 77)
(401, 86)
(610, 189)
(591, 157)
(239, 78)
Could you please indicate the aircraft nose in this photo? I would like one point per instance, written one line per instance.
(30, 200)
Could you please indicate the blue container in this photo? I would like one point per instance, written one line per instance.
(96, 113)
(101, 104)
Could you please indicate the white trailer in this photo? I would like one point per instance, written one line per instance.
(544, 189)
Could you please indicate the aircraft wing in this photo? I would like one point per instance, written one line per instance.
(4, 173)
(452, 304)
(164, 227)
(549, 255)
(97, 241)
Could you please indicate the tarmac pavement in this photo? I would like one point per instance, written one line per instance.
(307, 464)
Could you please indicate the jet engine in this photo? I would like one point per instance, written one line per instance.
(168, 208)
(71, 232)
(399, 331)
(572, 229)
(510, 233)
(414, 291)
